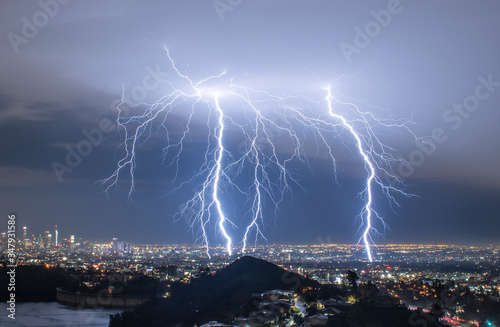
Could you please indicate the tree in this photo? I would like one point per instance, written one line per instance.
(312, 310)
(353, 277)
(298, 319)
(368, 291)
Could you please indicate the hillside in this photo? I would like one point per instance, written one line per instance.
(219, 297)
(38, 284)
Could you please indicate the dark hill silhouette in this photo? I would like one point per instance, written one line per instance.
(38, 284)
(219, 297)
(251, 275)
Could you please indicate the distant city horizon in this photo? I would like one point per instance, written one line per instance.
(219, 245)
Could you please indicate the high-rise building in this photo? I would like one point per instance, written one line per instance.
(47, 239)
(3, 239)
(25, 237)
(57, 237)
(114, 244)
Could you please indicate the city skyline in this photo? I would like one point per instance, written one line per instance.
(71, 237)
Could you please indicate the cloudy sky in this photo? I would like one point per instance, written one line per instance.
(64, 64)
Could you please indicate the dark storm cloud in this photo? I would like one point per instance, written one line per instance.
(12, 176)
(422, 60)
(18, 111)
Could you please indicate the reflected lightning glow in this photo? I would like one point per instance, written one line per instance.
(263, 122)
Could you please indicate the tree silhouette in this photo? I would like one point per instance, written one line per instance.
(353, 277)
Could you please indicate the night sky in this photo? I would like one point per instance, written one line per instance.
(65, 64)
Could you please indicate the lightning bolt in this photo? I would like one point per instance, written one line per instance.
(366, 213)
(265, 121)
(217, 174)
(377, 162)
